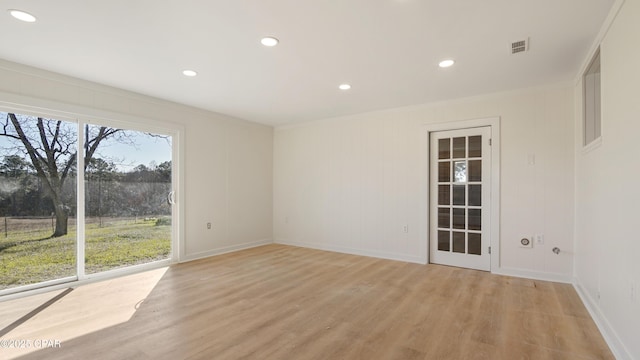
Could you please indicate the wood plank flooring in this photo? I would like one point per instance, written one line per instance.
(282, 302)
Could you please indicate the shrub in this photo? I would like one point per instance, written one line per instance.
(163, 221)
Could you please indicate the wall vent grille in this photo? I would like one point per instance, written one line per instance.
(519, 46)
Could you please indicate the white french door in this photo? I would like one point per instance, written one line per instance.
(460, 190)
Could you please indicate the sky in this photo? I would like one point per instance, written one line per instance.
(147, 149)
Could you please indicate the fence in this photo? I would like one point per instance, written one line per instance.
(28, 224)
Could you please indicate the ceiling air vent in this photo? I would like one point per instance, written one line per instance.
(519, 46)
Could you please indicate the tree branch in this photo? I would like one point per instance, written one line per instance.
(4, 129)
(35, 159)
(92, 144)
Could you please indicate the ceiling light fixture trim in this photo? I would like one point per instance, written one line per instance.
(269, 41)
(22, 15)
(446, 63)
(344, 87)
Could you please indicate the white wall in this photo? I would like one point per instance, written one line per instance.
(607, 194)
(227, 162)
(350, 183)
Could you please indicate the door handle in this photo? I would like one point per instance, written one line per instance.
(171, 198)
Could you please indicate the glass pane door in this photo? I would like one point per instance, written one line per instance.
(37, 201)
(127, 198)
(459, 208)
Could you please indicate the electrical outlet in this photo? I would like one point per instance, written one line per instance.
(633, 291)
(539, 239)
(208, 226)
(405, 228)
(526, 242)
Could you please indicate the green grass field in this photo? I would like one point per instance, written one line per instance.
(28, 255)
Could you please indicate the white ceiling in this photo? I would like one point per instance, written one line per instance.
(388, 50)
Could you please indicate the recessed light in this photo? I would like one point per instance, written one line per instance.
(269, 41)
(21, 15)
(189, 73)
(446, 63)
(344, 87)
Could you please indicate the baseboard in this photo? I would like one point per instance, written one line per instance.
(352, 251)
(608, 333)
(225, 250)
(534, 275)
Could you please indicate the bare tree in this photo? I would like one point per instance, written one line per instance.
(51, 145)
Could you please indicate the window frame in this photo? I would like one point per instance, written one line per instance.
(592, 103)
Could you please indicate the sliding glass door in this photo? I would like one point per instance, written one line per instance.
(37, 200)
(127, 198)
(55, 229)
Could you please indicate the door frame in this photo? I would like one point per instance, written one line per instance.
(494, 124)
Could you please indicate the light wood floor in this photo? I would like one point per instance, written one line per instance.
(281, 302)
